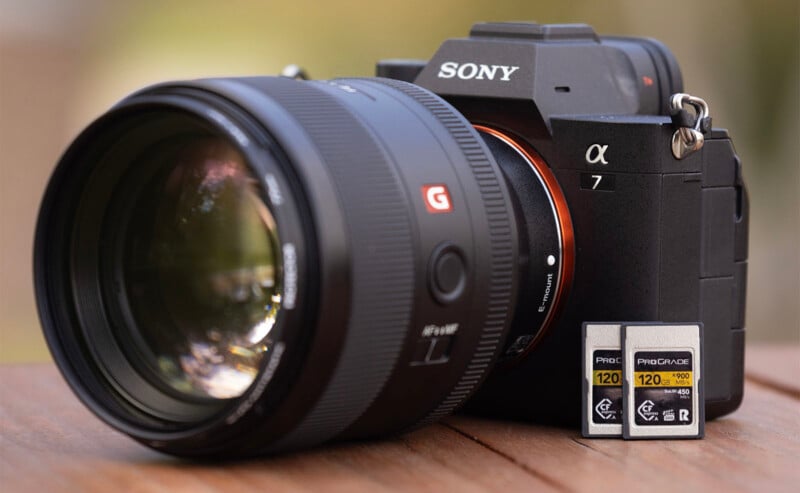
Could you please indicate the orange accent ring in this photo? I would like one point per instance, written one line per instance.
(564, 224)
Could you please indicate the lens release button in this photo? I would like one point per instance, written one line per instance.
(448, 275)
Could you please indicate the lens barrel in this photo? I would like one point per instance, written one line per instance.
(355, 254)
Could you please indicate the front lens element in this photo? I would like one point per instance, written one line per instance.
(202, 270)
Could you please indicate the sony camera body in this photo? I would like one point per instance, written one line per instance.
(654, 238)
(248, 265)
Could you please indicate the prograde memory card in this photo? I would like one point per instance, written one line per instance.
(602, 380)
(662, 385)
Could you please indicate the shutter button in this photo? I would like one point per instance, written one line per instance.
(447, 274)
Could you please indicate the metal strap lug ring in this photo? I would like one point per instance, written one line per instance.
(687, 140)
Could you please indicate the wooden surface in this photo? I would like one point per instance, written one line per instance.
(50, 443)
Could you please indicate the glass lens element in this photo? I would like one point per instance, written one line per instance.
(202, 269)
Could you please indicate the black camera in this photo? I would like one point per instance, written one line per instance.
(238, 266)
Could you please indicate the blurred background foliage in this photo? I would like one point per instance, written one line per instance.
(64, 62)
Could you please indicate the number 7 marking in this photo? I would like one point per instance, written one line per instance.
(598, 181)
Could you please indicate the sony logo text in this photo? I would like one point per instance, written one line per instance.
(469, 71)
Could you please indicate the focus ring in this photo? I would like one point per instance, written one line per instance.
(501, 239)
(381, 258)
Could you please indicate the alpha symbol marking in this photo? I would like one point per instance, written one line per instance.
(437, 199)
(596, 153)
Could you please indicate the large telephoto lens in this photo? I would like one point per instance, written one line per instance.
(231, 267)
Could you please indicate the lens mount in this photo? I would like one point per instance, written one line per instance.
(547, 241)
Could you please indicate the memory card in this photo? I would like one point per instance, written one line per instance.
(662, 384)
(602, 380)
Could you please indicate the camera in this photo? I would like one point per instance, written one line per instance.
(239, 266)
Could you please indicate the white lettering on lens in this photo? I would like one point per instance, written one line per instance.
(289, 276)
(232, 129)
(344, 87)
(470, 71)
(546, 296)
(274, 190)
(433, 330)
(269, 372)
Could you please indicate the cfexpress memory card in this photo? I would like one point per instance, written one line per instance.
(662, 384)
(602, 380)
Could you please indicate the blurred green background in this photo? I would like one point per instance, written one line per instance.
(64, 62)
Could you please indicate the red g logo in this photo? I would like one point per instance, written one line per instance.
(437, 199)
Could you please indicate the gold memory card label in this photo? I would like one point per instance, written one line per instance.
(663, 388)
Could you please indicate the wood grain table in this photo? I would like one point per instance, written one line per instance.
(50, 443)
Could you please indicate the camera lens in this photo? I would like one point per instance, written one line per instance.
(231, 267)
(202, 270)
